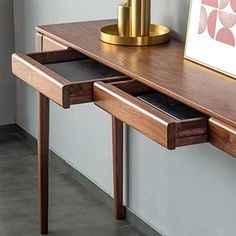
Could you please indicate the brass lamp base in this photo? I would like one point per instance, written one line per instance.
(159, 34)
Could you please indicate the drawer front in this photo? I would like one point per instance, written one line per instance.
(66, 76)
(119, 99)
(49, 44)
(39, 42)
(222, 136)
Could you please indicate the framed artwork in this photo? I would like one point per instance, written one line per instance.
(211, 34)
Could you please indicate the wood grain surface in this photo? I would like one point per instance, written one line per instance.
(117, 147)
(43, 154)
(148, 120)
(32, 69)
(161, 67)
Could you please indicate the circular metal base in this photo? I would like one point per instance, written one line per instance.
(159, 34)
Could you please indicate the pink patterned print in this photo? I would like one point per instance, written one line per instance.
(203, 20)
(223, 3)
(233, 5)
(212, 3)
(227, 19)
(211, 11)
(211, 23)
(225, 36)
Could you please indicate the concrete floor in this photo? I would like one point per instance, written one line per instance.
(73, 209)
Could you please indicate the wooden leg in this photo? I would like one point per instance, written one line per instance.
(43, 152)
(117, 140)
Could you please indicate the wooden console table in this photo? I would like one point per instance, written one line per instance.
(73, 66)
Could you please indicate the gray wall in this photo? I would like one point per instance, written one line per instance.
(187, 192)
(7, 81)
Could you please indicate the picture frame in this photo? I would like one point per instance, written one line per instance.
(211, 35)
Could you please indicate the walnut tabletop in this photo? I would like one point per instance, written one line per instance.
(161, 67)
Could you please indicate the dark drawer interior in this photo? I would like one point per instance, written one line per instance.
(82, 70)
(170, 106)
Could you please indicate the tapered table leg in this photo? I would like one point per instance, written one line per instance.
(117, 140)
(43, 152)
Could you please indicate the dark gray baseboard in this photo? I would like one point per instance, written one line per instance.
(6, 129)
(131, 218)
(27, 136)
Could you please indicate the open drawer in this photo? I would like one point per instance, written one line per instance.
(64, 76)
(128, 101)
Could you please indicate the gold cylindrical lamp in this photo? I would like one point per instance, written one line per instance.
(124, 19)
(134, 26)
(140, 17)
